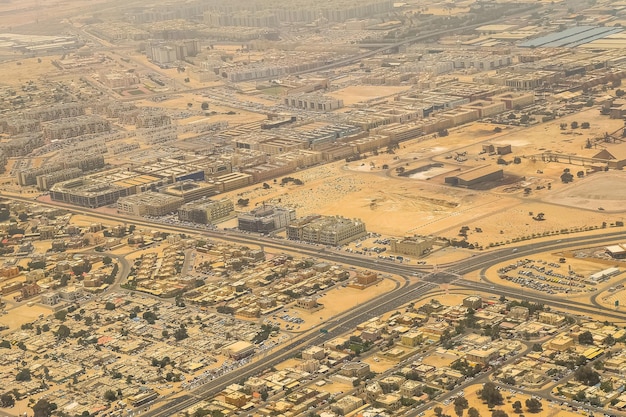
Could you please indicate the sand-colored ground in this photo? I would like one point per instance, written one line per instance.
(439, 360)
(180, 102)
(606, 190)
(340, 300)
(398, 206)
(29, 69)
(36, 12)
(332, 387)
(379, 363)
(356, 94)
(17, 316)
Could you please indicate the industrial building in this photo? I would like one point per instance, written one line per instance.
(475, 176)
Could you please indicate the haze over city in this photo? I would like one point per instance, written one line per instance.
(305, 208)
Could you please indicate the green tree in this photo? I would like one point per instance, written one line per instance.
(60, 315)
(499, 413)
(585, 338)
(438, 411)
(110, 396)
(181, 333)
(43, 408)
(109, 306)
(587, 375)
(150, 317)
(533, 405)
(473, 412)
(491, 394)
(7, 400)
(461, 402)
(517, 406)
(23, 375)
(107, 260)
(606, 386)
(63, 332)
(205, 106)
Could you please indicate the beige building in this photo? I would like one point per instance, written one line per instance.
(412, 338)
(325, 230)
(190, 190)
(346, 404)
(412, 246)
(238, 350)
(149, 204)
(561, 343)
(519, 313)
(515, 100)
(231, 181)
(206, 211)
(551, 318)
(355, 369)
(313, 101)
(482, 356)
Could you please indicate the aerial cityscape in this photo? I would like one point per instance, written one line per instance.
(309, 208)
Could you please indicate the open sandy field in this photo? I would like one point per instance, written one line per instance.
(605, 189)
(424, 204)
(17, 316)
(340, 300)
(29, 69)
(356, 94)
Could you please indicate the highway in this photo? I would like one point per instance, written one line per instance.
(335, 327)
(418, 281)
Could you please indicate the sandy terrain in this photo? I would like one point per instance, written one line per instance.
(397, 206)
(356, 94)
(340, 300)
(22, 314)
(605, 189)
(28, 70)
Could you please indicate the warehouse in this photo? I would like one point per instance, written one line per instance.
(475, 176)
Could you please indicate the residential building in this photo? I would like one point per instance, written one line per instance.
(265, 219)
(327, 230)
(206, 211)
(149, 203)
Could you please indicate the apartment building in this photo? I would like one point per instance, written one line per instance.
(149, 203)
(335, 230)
(206, 211)
(265, 219)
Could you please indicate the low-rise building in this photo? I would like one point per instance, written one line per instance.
(325, 230)
(149, 203)
(206, 211)
(413, 246)
(265, 219)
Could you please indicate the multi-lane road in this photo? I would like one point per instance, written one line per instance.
(418, 281)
